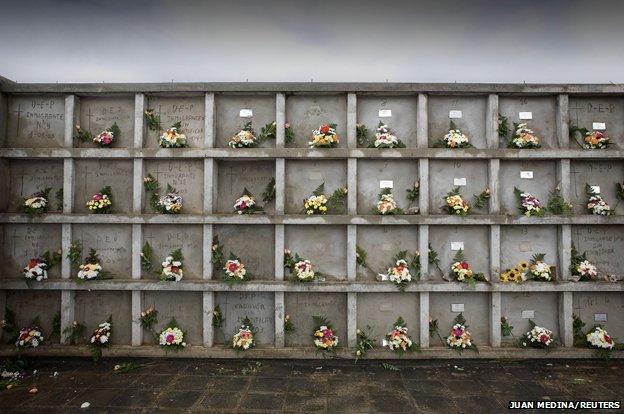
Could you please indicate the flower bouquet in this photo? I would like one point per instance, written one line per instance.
(153, 120)
(591, 139)
(455, 204)
(398, 340)
(528, 204)
(169, 203)
(323, 335)
(173, 267)
(269, 131)
(37, 203)
(234, 270)
(540, 270)
(595, 204)
(102, 202)
(101, 338)
(523, 137)
(172, 337)
(581, 269)
(598, 338)
(300, 269)
(245, 138)
(400, 273)
(324, 137)
(246, 204)
(384, 137)
(148, 318)
(30, 336)
(318, 203)
(460, 338)
(454, 138)
(364, 343)
(538, 337)
(91, 269)
(462, 271)
(244, 338)
(172, 137)
(386, 204)
(104, 139)
(37, 268)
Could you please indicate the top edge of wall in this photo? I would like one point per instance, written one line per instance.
(9, 86)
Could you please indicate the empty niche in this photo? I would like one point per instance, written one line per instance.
(377, 313)
(521, 243)
(22, 242)
(185, 176)
(254, 245)
(113, 243)
(375, 175)
(35, 121)
(604, 246)
(605, 174)
(538, 112)
(302, 307)
(447, 240)
(184, 307)
(257, 109)
(235, 176)
(538, 178)
(28, 305)
(381, 244)
(398, 112)
(97, 114)
(165, 238)
(303, 177)
(587, 110)
(91, 176)
(189, 111)
(306, 113)
(600, 308)
(325, 246)
(27, 177)
(259, 307)
(471, 123)
(470, 177)
(541, 308)
(476, 311)
(94, 307)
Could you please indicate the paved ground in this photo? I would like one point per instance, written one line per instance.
(308, 386)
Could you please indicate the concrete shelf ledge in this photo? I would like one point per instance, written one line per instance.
(304, 153)
(298, 219)
(285, 286)
(220, 351)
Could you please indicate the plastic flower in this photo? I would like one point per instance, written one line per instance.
(459, 337)
(597, 206)
(243, 339)
(599, 338)
(454, 138)
(29, 337)
(89, 271)
(104, 138)
(386, 138)
(399, 272)
(170, 203)
(235, 269)
(172, 138)
(596, 140)
(455, 204)
(172, 270)
(386, 204)
(324, 137)
(37, 269)
(524, 137)
(315, 204)
(324, 338)
(172, 336)
(100, 202)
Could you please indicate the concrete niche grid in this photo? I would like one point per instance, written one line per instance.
(37, 151)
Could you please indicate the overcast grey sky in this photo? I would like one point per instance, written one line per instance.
(401, 41)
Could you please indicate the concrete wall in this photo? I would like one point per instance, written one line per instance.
(37, 151)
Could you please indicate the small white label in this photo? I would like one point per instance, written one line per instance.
(315, 176)
(385, 113)
(600, 317)
(383, 276)
(245, 113)
(386, 184)
(455, 114)
(459, 181)
(528, 314)
(525, 115)
(457, 307)
(595, 189)
(456, 245)
(526, 174)
(385, 307)
(524, 246)
(599, 126)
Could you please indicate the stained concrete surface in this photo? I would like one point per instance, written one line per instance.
(272, 386)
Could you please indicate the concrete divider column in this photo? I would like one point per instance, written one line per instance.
(210, 181)
(67, 296)
(424, 319)
(566, 332)
(495, 318)
(137, 231)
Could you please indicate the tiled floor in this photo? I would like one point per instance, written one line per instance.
(332, 386)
